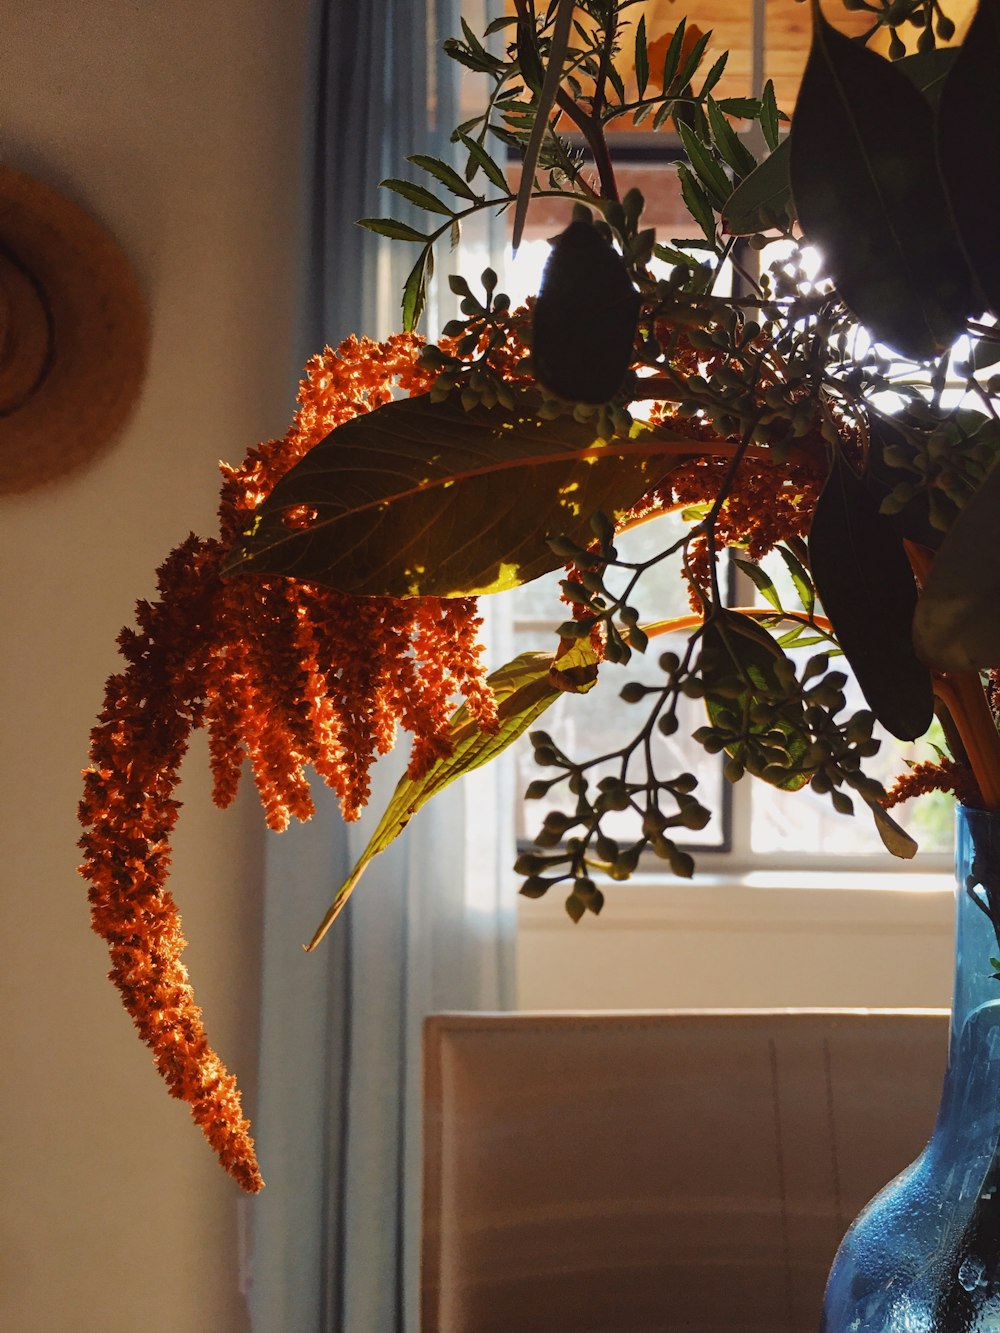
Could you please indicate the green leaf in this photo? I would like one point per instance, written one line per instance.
(479, 159)
(866, 586)
(710, 172)
(801, 580)
(416, 194)
(895, 839)
(672, 59)
(744, 108)
(696, 201)
(957, 627)
(764, 199)
(444, 173)
(546, 100)
(761, 580)
(641, 57)
(415, 289)
(727, 141)
(690, 65)
(968, 116)
(769, 116)
(421, 498)
(714, 74)
(396, 231)
(523, 689)
(868, 195)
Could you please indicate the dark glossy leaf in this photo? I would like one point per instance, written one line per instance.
(927, 70)
(968, 121)
(867, 193)
(866, 586)
(523, 689)
(444, 173)
(764, 199)
(480, 158)
(957, 626)
(396, 231)
(585, 318)
(739, 658)
(424, 498)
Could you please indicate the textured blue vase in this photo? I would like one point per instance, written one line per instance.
(924, 1255)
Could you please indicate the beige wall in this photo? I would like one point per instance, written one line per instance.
(177, 122)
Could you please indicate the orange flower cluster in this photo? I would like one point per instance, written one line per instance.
(768, 503)
(945, 775)
(281, 673)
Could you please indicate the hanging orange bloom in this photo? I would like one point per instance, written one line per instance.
(280, 673)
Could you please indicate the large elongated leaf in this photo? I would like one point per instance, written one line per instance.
(867, 193)
(764, 198)
(957, 625)
(524, 688)
(420, 498)
(968, 117)
(867, 589)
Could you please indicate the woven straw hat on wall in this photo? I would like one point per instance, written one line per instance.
(74, 335)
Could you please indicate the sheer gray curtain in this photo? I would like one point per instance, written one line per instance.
(334, 1238)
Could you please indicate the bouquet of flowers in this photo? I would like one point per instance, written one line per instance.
(846, 421)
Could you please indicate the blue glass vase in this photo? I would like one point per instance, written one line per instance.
(924, 1255)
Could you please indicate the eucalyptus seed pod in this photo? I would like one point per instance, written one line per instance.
(585, 318)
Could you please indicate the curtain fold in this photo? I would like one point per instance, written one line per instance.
(335, 1235)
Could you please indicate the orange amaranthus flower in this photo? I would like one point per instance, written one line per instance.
(281, 673)
(944, 775)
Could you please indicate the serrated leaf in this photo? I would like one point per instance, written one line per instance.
(641, 57)
(764, 199)
(714, 74)
(734, 153)
(546, 100)
(957, 627)
(444, 173)
(710, 172)
(523, 689)
(454, 49)
(416, 194)
(480, 159)
(671, 60)
(420, 498)
(745, 108)
(769, 117)
(866, 586)
(696, 201)
(801, 580)
(761, 580)
(396, 231)
(968, 115)
(690, 65)
(868, 195)
(415, 289)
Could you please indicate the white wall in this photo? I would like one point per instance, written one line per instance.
(177, 122)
